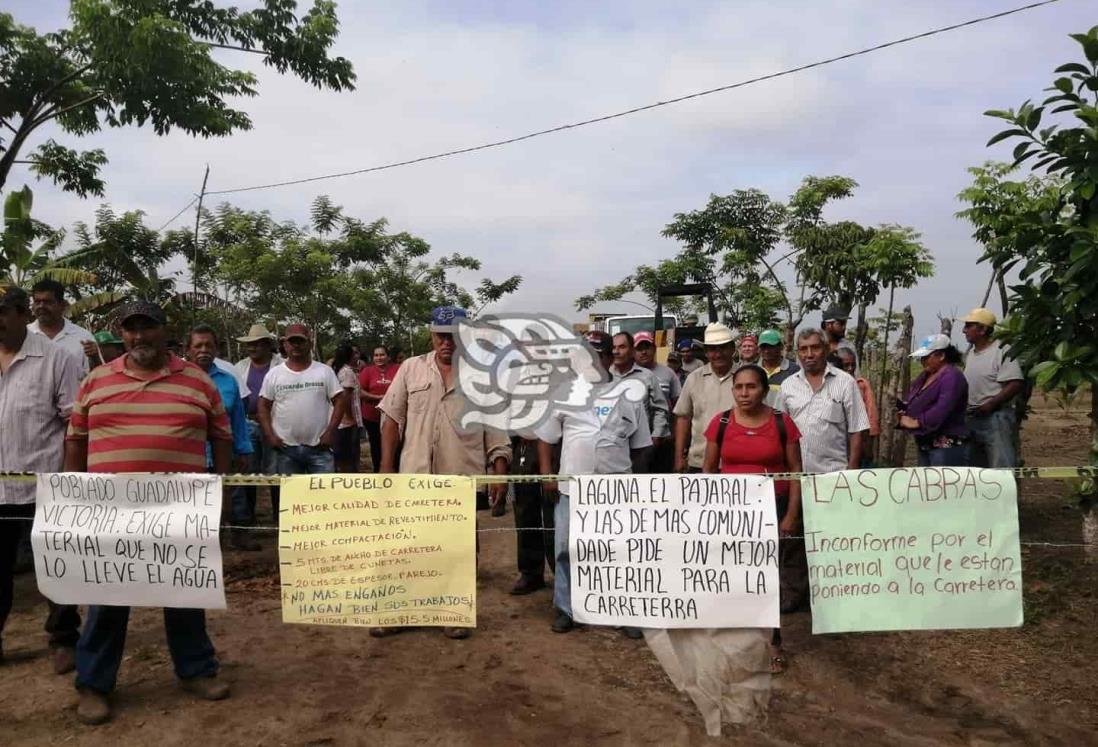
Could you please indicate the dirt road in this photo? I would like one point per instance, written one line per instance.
(515, 682)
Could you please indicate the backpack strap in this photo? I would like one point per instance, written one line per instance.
(779, 422)
(725, 416)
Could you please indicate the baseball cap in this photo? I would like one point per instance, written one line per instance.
(444, 318)
(106, 338)
(981, 316)
(600, 341)
(296, 330)
(770, 337)
(147, 309)
(644, 336)
(836, 313)
(13, 295)
(673, 355)
(931, 344)
(718, 334)
(750, 336)
(684, 344)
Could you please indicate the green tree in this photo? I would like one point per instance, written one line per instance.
(736, 244)
(124, 260)
(895, 258)
(342, 276)
(829, 259)
(1047, 229)
(137, 62)
(725, 244)
(127, 256)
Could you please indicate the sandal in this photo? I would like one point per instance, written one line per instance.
(386, 632)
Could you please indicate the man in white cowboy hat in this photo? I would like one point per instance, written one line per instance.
(260, 345)
(707, 391)
(994, 380)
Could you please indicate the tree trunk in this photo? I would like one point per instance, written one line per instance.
(990, 285)
(1003, 295)
(897, 440)
(861, 332)
(882, 380)
(7, 160)
(1090, 515)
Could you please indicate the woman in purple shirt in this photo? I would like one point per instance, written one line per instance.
(935, 406)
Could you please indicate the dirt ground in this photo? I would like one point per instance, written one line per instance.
(515, 682)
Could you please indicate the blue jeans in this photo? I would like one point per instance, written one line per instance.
(303, 460)
(993, 439)
(954, 456)
(244, 498)
(562, 573)
(99, 650)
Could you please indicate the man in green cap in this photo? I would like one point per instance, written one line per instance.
(778, 368)
(107, 348)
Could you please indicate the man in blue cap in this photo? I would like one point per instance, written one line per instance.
(689, 361)
(423, 405)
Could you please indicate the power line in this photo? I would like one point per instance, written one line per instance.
(176, 216)
(647, 107)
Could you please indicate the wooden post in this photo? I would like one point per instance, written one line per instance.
(896, 439)
(194, 263)
(882, 382)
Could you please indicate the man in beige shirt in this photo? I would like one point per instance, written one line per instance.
(707, 391)
(423, 406)
(38, 383)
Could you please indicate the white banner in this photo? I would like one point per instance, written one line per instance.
(129, 540)
(674, 551)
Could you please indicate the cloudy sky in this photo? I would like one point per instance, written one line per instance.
(576, 210)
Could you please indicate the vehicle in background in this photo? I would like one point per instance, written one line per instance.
(634, 323)
(668, 334)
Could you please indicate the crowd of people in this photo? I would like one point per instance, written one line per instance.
(727, 403)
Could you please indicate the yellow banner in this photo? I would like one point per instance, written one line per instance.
(378, 550)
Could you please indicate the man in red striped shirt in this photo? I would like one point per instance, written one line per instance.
(147, 411)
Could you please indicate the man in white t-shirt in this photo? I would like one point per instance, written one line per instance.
(48, 305)
(604, 440)
(994, 380)
(300, 406)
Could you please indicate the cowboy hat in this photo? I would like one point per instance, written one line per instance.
(256, 333)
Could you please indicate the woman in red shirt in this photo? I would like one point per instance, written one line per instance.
(748, 439)
(375, 381)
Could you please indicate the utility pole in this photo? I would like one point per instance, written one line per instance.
(194, 262)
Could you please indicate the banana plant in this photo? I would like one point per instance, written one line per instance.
(23, 264)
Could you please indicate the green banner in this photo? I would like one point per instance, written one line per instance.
(912, 549)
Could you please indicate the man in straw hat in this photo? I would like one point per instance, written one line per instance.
(423, 407)
(707, 391)
(260, 346)
(994, 380)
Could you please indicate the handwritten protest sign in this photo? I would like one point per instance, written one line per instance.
(676, 551)
(130, 540)
(378, 550)
(911, 549)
